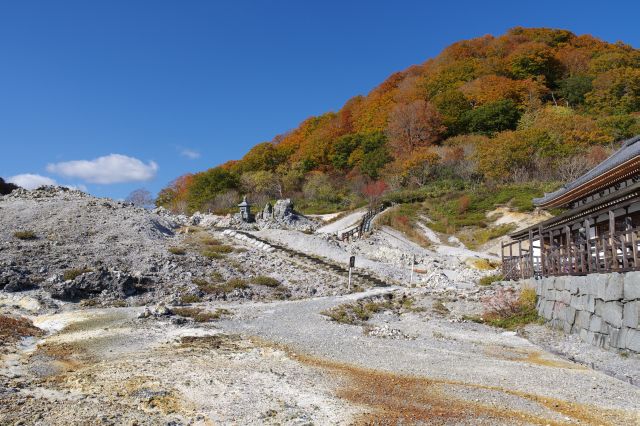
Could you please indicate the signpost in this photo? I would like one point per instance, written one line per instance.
(413, 262)
(352, 264)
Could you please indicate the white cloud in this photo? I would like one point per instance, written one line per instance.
(190, 154)
(31, 181)
(79, 187)
(113, 168)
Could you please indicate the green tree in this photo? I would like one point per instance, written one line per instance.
(532, 60)
(574, 88)
(616, 91)
(452, 105)
(208, 184)
(264, 156)
(342, 149)
(493, 117)
(620, 126)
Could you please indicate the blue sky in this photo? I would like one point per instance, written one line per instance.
(116, 95)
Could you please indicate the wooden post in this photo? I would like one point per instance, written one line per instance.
(567, 244)
(555, 259)
(587, 247)
(542, 254)
(612, 231)
(520, 258)
(531, 253)
(634, 248)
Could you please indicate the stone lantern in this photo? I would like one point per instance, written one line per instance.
(245, 210)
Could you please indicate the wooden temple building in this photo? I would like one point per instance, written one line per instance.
(598, 230)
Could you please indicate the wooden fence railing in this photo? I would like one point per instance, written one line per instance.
(364, 225)
(605, 253)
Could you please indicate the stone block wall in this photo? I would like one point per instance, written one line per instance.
(604, 309)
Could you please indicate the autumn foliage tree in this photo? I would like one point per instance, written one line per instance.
(412, 126)
(374, 190)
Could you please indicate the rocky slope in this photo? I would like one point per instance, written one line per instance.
(72, 246)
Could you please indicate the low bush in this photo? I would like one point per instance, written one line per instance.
(200, 315)
(25, 235)
(265, 281)
(439, 308)
(482, 264)
(212, 254)
(190, 298)
(72, 274)
(361, 311)
(510, 310)
(216, 277)
(220, 249)
(177, 250)
(490, 279)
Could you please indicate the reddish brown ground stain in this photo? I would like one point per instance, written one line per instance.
(395, 399)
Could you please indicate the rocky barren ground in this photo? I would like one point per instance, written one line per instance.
(110, 314)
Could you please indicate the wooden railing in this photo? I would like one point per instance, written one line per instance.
(605, 253)
(600, 254)
(364, 226)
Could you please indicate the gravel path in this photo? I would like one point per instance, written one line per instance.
(475, 361)
(343, 223)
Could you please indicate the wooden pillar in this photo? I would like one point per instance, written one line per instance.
(586, 265)
(567, 243)
(542, 254)
(531, 262)
(553, 258)
(612, 231)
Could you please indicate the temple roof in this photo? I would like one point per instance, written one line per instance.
(629, 150)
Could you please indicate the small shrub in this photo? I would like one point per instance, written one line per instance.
(199, 315)
(361, 311)
(482, 264)
(220, 249)
(190, 298)
(265, 281)
(235, 283)
(216, 277)
(490, 279)
(510, 310)
(463, 203)
(177, 250)
(212, 254)
(25, 235)
(200, 282)
(72, 274)
(440, 308)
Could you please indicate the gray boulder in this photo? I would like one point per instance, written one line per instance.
(15, 279)
(283, 208)
(267, 212)
(92, 284)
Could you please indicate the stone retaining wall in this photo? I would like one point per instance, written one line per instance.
(603, 309)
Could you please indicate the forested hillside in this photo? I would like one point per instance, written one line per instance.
(519, 111)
